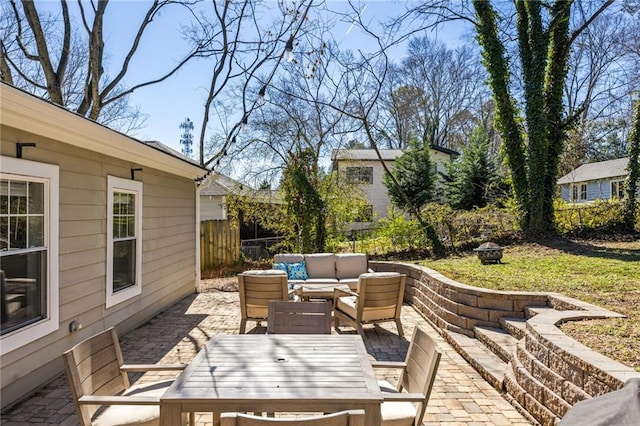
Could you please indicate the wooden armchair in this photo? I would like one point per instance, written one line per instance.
(378, 299)
(405, 404)
(342, 418)
(98, 377)
(256, 289)
(299, 317)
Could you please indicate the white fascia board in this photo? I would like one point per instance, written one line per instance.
(28, 113)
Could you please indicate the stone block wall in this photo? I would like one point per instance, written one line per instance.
(549, 371)
(458, 307)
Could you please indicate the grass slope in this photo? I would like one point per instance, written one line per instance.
(606, 274)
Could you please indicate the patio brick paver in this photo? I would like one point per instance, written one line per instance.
(460, 395)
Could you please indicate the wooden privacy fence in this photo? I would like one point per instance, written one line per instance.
(219, 243)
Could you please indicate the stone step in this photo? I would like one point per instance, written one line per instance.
(532, 311)
(497, 340)
(516, 395)
(488, 364)
(514, 326)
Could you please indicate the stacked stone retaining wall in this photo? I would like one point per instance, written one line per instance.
(549, 371)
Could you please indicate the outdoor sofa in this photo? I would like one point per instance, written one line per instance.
(322, 268)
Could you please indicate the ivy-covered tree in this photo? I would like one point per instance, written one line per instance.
(544, 41)
(414, 175)
(631, 184)
(471, 176)
(304, 203)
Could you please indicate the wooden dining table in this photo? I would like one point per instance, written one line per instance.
(311, 373)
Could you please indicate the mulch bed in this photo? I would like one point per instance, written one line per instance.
(221, 284)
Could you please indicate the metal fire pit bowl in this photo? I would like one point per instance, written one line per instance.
(489, 253)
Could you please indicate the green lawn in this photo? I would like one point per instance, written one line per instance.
(603, 273)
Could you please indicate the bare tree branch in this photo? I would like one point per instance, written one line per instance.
(260, 60)
(72, 76)
(5, 69)
(588, 22)
(52, 78)
(27, 54)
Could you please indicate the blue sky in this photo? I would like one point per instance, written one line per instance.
(167, 104)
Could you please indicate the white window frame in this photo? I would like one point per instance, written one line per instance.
(50, 175)
(116, 184)
(619, 189)
(584, 192)
(359, 175)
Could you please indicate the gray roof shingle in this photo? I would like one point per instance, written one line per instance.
(595, 171)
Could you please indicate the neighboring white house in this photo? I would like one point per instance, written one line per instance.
(363, 168)
(603, 180)
(96, 230)
(213, 198)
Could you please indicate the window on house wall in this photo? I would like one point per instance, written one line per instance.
(617, 189)
(124, 240)
(28, 251)
(365, 214)
(359, 175)
(579, 192)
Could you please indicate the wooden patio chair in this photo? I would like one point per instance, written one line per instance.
(405, 404)
(256, 289)
(378, 299)
(299, 317)
(98, 378)
(342, 418)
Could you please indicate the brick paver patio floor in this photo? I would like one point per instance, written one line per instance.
(459, 397)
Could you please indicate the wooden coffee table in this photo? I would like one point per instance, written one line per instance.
(318, 291)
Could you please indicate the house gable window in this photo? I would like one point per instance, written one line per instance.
(617, 189)
(29, 200)
(124, 240)
(358, 175)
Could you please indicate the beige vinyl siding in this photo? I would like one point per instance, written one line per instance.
(168, 259)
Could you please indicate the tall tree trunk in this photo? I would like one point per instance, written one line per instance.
(506, 113)
(556, 73)
(53, 77)
(631, 184)
(544, 43)
(534, 44)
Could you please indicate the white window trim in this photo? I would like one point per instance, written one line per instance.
(51, 174)
(618, 184)
(116, 184)
(584, 195)
(359, 175)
